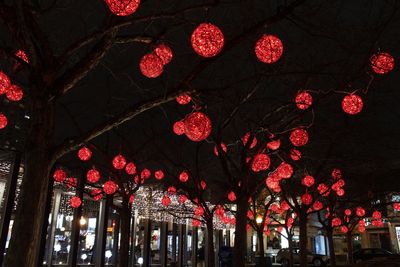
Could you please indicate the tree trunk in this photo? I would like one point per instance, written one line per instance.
(290, 241)
(303, 239)
(349, 239)
(332, 256)
(260, 237)
(30, 215)
(239, 251)
(210, 244)
(125, 216)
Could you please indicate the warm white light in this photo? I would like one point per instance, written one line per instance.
(140, 260)
(82, 221)
(108, 254)
(84, 257)
(259, 219)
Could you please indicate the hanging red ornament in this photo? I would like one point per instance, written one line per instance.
(299, 137)
(151, 65)
(203, 185)
(184, 176)
(323, 189)
(260, 162)
(199, 211)
(318, 205)
(119, 162)
(308, 181)
(269, 49)
(14, 93)
(274, 207)
(110, 187)
(284, 205)
(274, 144)
(22, 55)
(220, 211)
(164, 52)
(3, 121)
(396, 206)
(182, 199)
(130, 168)
(232, 196)
(306, 199)
(360, 212)
(272, 182)
(347, 212)
(84, 153)
(250, 214)
(223, 147)
(352, 104)
(336, 174)
(377, 223)
(5, 83)
(197, 126)
(284, 170)
(145, 174)
(71, 182)
(340, 192)
(159, 174)
(382, 63)
(303, 100)
(336, 222)
(207, 40)
(165, 201)
(295, 154)
(171, 190)
(196, 223)
(59, 175)
(93, 176)
(96, 194)
(361, 228)
(131, 199)
(183, 99)
(75, 202)
(376, 215)
(246, 137)
(179, 128)
(123, 7)
(344, 229)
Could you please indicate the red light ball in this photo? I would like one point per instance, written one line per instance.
(119, 162)
(22, 55)
(396, 206)
(245, 139)
(71, 182)
(347, 212)
(274, 144)
(336, 222)
(360, 212)
(260, 162)
(382, 63)
(323, 189)
(75, 202)
(171, 190)
(179, 128)
(285, 205)
(110, 187)
(284, 170)
(183, 99)
(299, 137)
(308, 181)
(3, 121)
(131, 199)
(145, 174)
(5, 83)
(376, 215)
(59, 175)
(197, 126)
(130, 168)
(184, 176)
(222, 146)
(159, 174)
(96, 194)
(165, 201)
(269, 49)
(196, 223)
(317, 205)
(14, 93)
(207, 40)
(123, 7)
(182, 199)
(84, 153)
(151, 65)
(340, 192)
(352, 104)
(336, 174)
(93, 176)
(295, 154)
(199, 211)
(164, 52)
(306, 199)
(232, 196)
(303, 100)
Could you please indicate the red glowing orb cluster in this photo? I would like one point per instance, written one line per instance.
(308, 181)
(119, 162)
(159, 174)
(5, 83)
(352, 104)
(96, 194)
(269, 49)
(376, 215)
(299, 137)
(336, 222)
(59, 175)
(199, 211)
(360, 212)
(382, 63)
(93, 176)
(232, 196)
(165, 201)
(164, 52)
(197, 126)
(75, 202)
(306, 199)
(130, 168)
(151, 65)
(317, 205)
(184, 176)
(260, 162)
(183, 99)
(3, 121)
(207, 40)
(303, 100)
(246, 137)
(14, 93)
(110, 187)
(123, 7)
(84, 153)
(284, 170)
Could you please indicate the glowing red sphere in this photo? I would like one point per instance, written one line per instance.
(22, 55)
(352, 104)
(295, 154)
(184, 176)
(199, 211)
(336, 174)
(183, 99)
(75, 202)
(151, 65)
(165, 201)
(93, 176)
(159, 174)
(5, 83)
(376, 215)
(119, 162)
(317, 205)
(285, 205)
(272, 182)
(71, 182)
(130, 168)
(336, 222)
(269, 49)
(274, 144)
(179, 128)
(145, 174)
(59, 175)
(347, 212)
(340, 192)
(220, 211)
(360, 212)
(303, 100)
(323, 189)
(260, 162)
(361, 228)
(308, 181)
(299, 137)
(223, 147)
(3, 121)
(196, 223)
(14, 93)
(232, 196)
(110, 187)
(396, 206)
(197, 126)
(207, 40)
(245, 139)
(164, 52)
(382, 63)
(182, 199)
(203, 185)
(131, 199)
(96, 194)
(84, 153)
(306, 199)
(284, 170)
(171, 190)
(123, 7)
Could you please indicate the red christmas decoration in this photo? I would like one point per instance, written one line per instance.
(71, 182)
(250, 214)
(3, 121)
(317, 205)
(166, 201)
(119, 162)
(110, 187)
(93, 176)
(151, 65)
(323, 189)
(223, 147)
(269, 49)
(306, 199)
(145, 174)
(75, 202)
(182, 199)
(184, 176)
(197, 126)
(196, 223)
(22, 55)
(164, 52)
(360, 212)
(96, 194)
(245, 139)
(299, 137)
(295, 154)
(159, 174)
(138, 180)
(344, 229)
(274, 144)
(123, 7)
(130, 168)
(376, 215)
(336, 174)
(183, 99)
(340, 192)
(203, 185)
(179, 128)
(232, 196)
(171, 190)
(84, 153)
(347, 212)
(336, 222)
(303, 100)
(382, 63)
(59, 175)
(131, 199)
(207, 40)
(377, 223)
(352, 104)
(220, 211)
(5, 83)
(14, 93)
(308, 181)
(284, 205)
(260, 162)
(199, 211)
(284, 170)
(272, 182)
(361, 228)
(396, 206)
